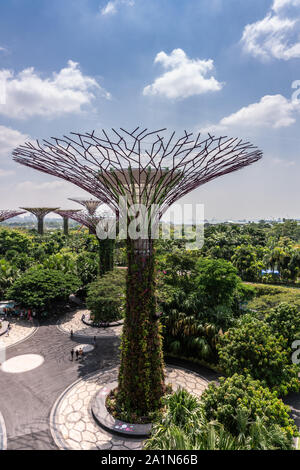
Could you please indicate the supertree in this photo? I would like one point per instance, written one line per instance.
(40, 213)
(91, 205)
(149, 168)
(66, 215)
(9, 214)
(106, 246)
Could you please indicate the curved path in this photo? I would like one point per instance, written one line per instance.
(72, 321)
(39, 395)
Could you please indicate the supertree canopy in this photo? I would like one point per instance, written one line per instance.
(91, 205)
(9, 214)
(40, 213)
(66, 215)
(150, 168)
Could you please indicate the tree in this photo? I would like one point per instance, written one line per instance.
(252, 349)
(42, 289)
(245, 260)
(106, 297)
(152, 169)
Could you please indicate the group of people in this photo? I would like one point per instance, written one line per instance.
(23, 314)
(78, 353)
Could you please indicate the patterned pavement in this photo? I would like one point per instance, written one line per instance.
(72, 321)
(20, 330)
(71, 422)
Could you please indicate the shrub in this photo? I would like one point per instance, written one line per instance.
(105, 298)
(242, 394)
(185, 426)
(42, 289)
(285, 320)
(251, 348)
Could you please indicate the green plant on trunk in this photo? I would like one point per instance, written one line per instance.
(141, 376)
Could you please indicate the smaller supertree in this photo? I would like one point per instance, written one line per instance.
(66, 215)
(91, 205)
(106, 246)
(40, 213)
(9, 214)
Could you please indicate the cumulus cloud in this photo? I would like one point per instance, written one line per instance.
(183, 77)
(113, 5)
(9, 139)
(28, 94)
(272, 111)
(277, 35)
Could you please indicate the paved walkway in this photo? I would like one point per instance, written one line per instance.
(72, 321)
(32, 397)
(20, 330)
(74, 428)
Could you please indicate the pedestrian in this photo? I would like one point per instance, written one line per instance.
(72, 354)
(71, 333)
(77, 354)
(95, 340)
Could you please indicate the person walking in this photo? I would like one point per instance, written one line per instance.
(72, 354)
(71, 334)
(77, 354)
(95, 341)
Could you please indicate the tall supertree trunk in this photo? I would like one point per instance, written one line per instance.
(106, 255)
(141, 376)
(40, 225)
(66, 226)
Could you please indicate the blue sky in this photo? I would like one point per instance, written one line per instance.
(224, 66)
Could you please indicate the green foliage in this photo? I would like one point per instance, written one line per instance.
(216, 282)
(241, 394)
(184, 425)
(268, 297)
(14, 240)
(252, 348)
(284, 320)
(8, 274)
(106, 297)
(42, 289)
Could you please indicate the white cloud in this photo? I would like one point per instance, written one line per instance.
(184, 77)
(27, 94)
(9, 139)
(279, 4)
(272, 111)
(277, 35)
(113, 5)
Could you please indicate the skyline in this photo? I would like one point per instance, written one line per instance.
(202, 75)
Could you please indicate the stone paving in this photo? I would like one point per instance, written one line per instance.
(71, 422)
(20, 330)
(72, 321)
(3, 442)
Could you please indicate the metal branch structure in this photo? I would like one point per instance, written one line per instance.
(87, 220)
(9, 214)
(153, 168)
(91, 205)
(40, 213)
(66, 215)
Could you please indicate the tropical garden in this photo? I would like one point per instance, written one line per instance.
(232, 306)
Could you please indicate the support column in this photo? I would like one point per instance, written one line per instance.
(66, 226)
(40, 219)
(141, 376)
